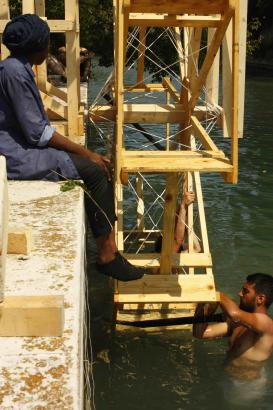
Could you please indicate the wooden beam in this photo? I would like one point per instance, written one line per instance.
(171, 89)
(171, 194)
(4, 14)
(55, 26)
(174, 7)
(170, 155)
(164, 20)
(73, 68)
(141, 56)
(242, 66)
(212, 82)
(55, 106)
(152, 260)
(201, 213)
(146, 113)
(32, 316)
(178, 164)
(4, 211)
(56, 92)
(226, 81)
(20, 241)
(202, 135)
(145, 88)
(212, 51)
(168, 289)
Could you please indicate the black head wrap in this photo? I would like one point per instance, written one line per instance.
(25, 34)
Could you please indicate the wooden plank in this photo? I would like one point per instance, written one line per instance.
(164, 20)
(189, 183)
(179, 164)
(235, 96)
(194, 57)
(50, 103)
(4, 14)
(55, 26)
(169, 223)
(171, 89)
(20, 240)
(202, 135)
(226, 81)
(56, 92)
(242, 66)
(180, 52)
(212, 51)
(28, 6)
(174, 7)
(201, 213)
(73, 69)
(146, 113)
(179, 259)
(141, 56)
(212, 82)
(172, 154)
(4, 211)
(32, 316)
(153, 87)
(168, 289)
(159, 306)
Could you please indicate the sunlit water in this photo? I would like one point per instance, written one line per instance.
(171, 370)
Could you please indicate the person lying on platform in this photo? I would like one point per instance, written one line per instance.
(180, 243)
(35, 151)
(249, 327)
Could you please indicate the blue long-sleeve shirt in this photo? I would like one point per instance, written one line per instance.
(24, 127)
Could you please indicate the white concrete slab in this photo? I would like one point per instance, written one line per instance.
(46, 373)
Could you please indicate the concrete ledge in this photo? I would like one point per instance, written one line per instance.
(46, 372)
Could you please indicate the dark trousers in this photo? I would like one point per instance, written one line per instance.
(100, 209)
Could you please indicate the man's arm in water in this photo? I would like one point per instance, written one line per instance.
(259, 322)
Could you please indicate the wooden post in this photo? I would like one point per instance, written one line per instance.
(226, 81)
(119, 99)
(169, 223)
(141, 56)
(4, 15)
(212, 83)
(39, 8)
(181, 54)
(3, 224)
(242, 66)
(189, 182)
(73, 67)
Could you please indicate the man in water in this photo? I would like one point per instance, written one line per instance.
(34, 150)
(249, 327)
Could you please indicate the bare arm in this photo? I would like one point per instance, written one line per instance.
(206, 330)
(259, 322)
(180, 226)
(60, 142)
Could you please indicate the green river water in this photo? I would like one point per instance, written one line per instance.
(171, 370)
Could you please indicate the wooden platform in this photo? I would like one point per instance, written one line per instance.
(46, 372)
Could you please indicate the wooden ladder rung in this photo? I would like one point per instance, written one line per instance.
(175, 161)
(168, 289)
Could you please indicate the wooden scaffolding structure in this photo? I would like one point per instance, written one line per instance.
(224, 25)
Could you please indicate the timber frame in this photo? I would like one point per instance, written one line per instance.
(64, 109)
(224, 21)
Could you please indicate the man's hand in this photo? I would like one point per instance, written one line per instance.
(102, 161)
(188, 198)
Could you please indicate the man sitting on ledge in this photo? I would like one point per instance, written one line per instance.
(35, 151)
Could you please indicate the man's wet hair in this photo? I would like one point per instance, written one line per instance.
(263, 285)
